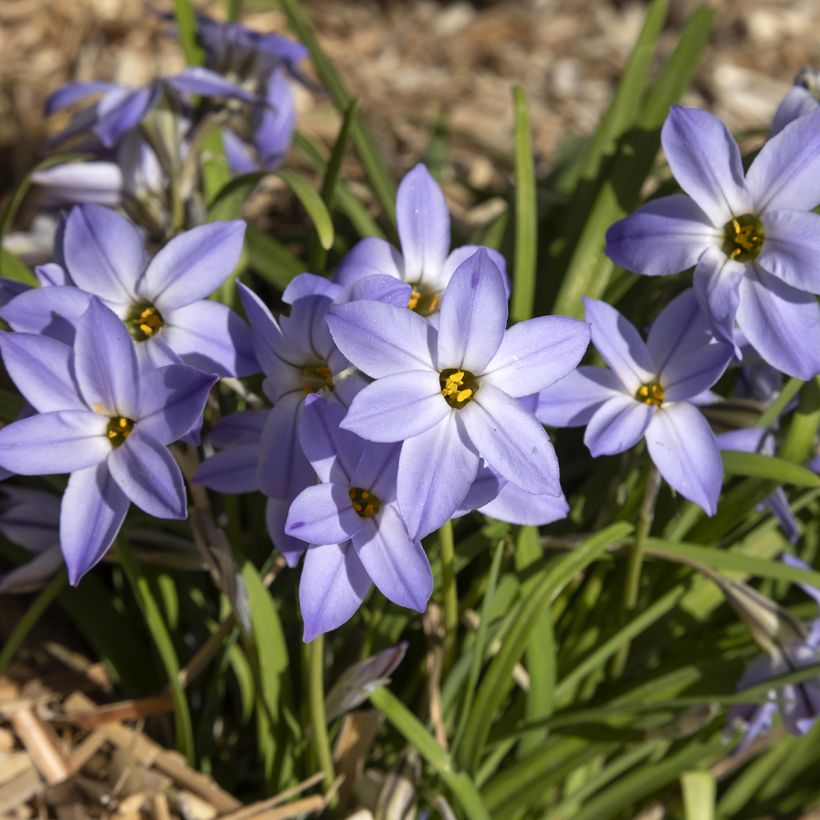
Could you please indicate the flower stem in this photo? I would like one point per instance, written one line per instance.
(449, 590)
(646, 516)
(318, 720)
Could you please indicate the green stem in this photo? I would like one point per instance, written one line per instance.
(449, 591)
(646, 516)
(318, 720)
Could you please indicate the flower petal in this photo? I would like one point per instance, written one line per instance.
(537, 353)
(684, 450)
(41, 370)
(332, 586)
(50, 311)
(323, 514)
(397, 407)
(199, 80)
(782, 324)
(371, 256)
(230, 471)
(620, 345)
(382, 339)
(717, 282)
(396, 563)
(171, 400)
(104, 253)
(688, 359)
(105, 363)
(266, 334)
(462, 254)
(516, 506)
(791, 250)
(210, 336)
(332, 451)
(663, 237)
(193, 265)
(436, 470)
(381, 288)
(147, 473)
(572, 401)
(91, 515)
(309, 284)
(71, 92)
(511, 441)
(424, 225)
(705, 161)
(786, 172)
(473, 315)
(51, 443)
(618, 424)
(100, 183)
(34, 574)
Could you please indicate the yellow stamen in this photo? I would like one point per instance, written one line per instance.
(365, 504)
(119, 428)
(316, 378)
(743, 237)
(651, 393)
(457, 386)
(423, 302)
(144, 321)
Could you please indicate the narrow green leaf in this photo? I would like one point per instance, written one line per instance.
(498, 678)
(772, 413)
(526, 214)
(699, 790)
(372, 161)
(216, 172)
(756, 465)
(271, 259)
(413, 731)
(164, 646)
(12, 268)
(312, 203)
(186, 33)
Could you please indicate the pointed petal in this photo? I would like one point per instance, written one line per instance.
(537, 353)
(791, 250)
(105, 363)
(276, 513)
(717, 287)
(309, 284)
(123, 109)
(171, 400)
(618, 424)
(516, 506)
(511, 440)
(147, 473)
(91, 515)
(230, 471)
(688, 359)
(71, 92)
(424, 225)
(199, 80)
(193, 265)
(274, 122)
(266, 334)
(41, 370)
(397, 407)
(620, 345)
(572, 401)
(473, 315)
(436, 470)
(332, 451)
(332, 587)
(371, 256)
(100, 183)
(786, 172)
(323, 514)
(51, 311)
(684, 450)
(241, 427)
(663, 237)
(706, 163)
(381, 288)
(395, 562)
(210, 336)
(382, 339)
(462, 254)
(104, 253)
(798, 101)
(782, 324)
(377, 470)
(53, 443)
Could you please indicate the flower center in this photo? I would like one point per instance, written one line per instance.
(422, 302)
(743, 238)
(144, 321)
(316, 377)
(651, 393)
(364, 502)
(457, 386)
(119, 428)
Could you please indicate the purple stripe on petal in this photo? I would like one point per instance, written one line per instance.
(684, 450)
(332, 586)
(52, 443)
(323, 514)
(572, 401)
(396, 563)
(92, 513)
(618, 424)
(332, 452)
(462, 254)
(791, 250)
(717, 282)
(473, 315)
(147, 473)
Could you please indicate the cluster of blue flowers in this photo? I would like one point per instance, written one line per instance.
(399, 398)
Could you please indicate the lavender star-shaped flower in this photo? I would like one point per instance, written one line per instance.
(162, 302)
(425, 261)
(648, 391)
(752, 237)
(104, 421)
(452, 394)
(353, 525)
(802, 98)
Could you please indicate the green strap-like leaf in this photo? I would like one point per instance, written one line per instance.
(526, 214)
(756, 465)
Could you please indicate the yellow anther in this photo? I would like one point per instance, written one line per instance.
(743, 237)
(413, 301)
(424, 302)
(118, 430)
(144, 321)
(651, 393)
(457, 386)
(316, 378)
(364, 503)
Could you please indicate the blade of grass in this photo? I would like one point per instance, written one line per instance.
(271, 259)
(756, 465)
(186, 33)
(526, 213)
